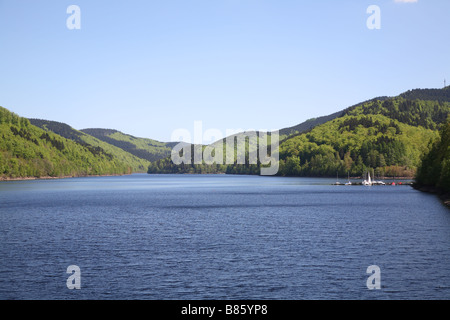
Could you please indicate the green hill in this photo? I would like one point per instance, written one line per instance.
(385, 135)
(148, 149)
(312, 123)
(353, 144)
(29, 151)
(441, 95)
(388, 136)
(135, 163)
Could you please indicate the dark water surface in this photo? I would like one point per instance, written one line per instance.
(220, 237)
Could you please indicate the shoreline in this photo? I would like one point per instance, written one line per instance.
(61, 177)
(126, 174)
(443, 195)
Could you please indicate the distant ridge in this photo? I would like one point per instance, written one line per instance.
(148, 149)
(64, 130)
(28, 151)
(309, 124)
(441, 95)
(60, 128)
(314, 122)
(386, 136)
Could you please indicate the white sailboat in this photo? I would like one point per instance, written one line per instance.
(349, 182)
(337, 180)
(367, 182)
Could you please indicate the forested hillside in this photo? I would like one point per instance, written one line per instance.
(428, 114)
(312, 123)
(135, 163)
(29, 151)
(435, 168)
(354, 144)
(387, 136)
(148, 149)
(441, 95)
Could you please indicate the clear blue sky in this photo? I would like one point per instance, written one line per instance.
(149, 67)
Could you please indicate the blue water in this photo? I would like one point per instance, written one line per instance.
(220, 237)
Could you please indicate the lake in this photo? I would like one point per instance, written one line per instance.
(191, 237)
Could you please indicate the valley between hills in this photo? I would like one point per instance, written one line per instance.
(402, 136)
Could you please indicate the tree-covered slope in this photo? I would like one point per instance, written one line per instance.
(388, 136)
(29, 151)
(62, 129)
(385, 135)
(426, 113)
(434, 170)
(137, 164)
(354, 144)
(148, 149)
(441, 95)
(308, 124)
(312, 123)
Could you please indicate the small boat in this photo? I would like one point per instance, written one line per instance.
(367, 182)
(337, 180)
(349, 182)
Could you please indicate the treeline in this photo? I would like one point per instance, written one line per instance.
(94, 145)
(352, 144)
(441, 95)
(59, 128)
(308, 125)
(147, 151)
(166, 165)
(429, 96)
(28, 151)
(435, 168)
(428, 114)
(66, 131)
